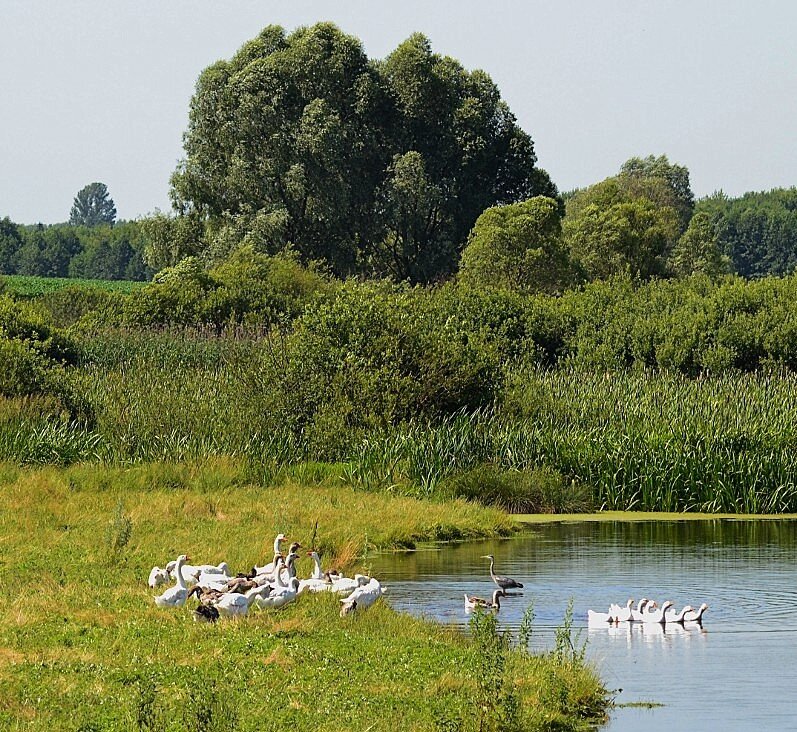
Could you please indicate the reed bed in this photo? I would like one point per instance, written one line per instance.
(634, 440)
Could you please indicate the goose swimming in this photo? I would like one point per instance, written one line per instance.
(472, 602)
(622, 613)
(657, 616)
(696, 616)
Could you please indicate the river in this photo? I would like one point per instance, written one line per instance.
(736, 672)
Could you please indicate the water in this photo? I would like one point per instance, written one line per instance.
(737, 672)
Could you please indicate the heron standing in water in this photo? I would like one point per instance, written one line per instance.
(505, 583)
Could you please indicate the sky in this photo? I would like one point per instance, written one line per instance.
(94, 90)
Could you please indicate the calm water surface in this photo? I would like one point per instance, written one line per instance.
(737, 672)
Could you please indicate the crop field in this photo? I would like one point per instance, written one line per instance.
(28, 286)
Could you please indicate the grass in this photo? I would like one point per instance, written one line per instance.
(30, 286)
(83, 646)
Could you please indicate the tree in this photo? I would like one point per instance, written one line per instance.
(758, 231)
(625, 238)
(93, 206)
(10, 243)
(629, 223)
(698, 250)
(306, 141)
(518, 246)
(641, 176)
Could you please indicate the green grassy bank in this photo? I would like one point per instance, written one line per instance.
(83, 647)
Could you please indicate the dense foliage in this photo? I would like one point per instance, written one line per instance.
(93, 206)
(758, 231)
(100, 251)
(375, 167)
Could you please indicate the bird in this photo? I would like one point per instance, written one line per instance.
(175, 596)
(363, 597)
(268, 568)
(204, 594)
(279, 597)
(235, 605)
(657, 616)
(636, 613)
(158, 576)
(696, 616)
(505, 583)
(598, 618)
(673, 617)
(622, 613)
(204, 613)
(472, 602)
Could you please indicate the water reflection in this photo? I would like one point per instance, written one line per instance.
(720, 673)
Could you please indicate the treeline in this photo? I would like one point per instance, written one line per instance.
(413, 168)
(104, 251)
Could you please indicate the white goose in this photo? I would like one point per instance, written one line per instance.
(622, 613)
(158, 576)
(175, 596)
(362, 598)
(346, 585)
(236, 605)
(317, 581)
(279, 598)
(637, 612)
(657, 616)
(673, 617)
(696, 616)
(596, 618)
(269, 568)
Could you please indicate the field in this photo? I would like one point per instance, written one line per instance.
(83, 646)
(28, 286)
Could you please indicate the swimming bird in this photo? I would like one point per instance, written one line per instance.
(622, 614)
(505, 583)
(177, 595)
(472, 602)
(696, 616)
(657, 616)
(636, 613)
(597, 618)
(673, 617)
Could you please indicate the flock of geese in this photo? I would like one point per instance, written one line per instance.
(271, 586)
(274, 585)
(646, 611)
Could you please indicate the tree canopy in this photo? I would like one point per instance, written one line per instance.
(518, 246)
(377, 167)
(93, 206)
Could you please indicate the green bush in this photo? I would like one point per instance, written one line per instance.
(539, 490)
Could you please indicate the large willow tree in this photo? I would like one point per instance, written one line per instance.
(377, 167)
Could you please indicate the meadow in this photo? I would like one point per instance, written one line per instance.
(83, 646)
(32, 286)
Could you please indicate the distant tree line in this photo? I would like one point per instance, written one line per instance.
(62, 250)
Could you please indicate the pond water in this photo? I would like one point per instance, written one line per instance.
(736, 672)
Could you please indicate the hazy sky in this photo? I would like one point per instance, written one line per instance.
(98, 90)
